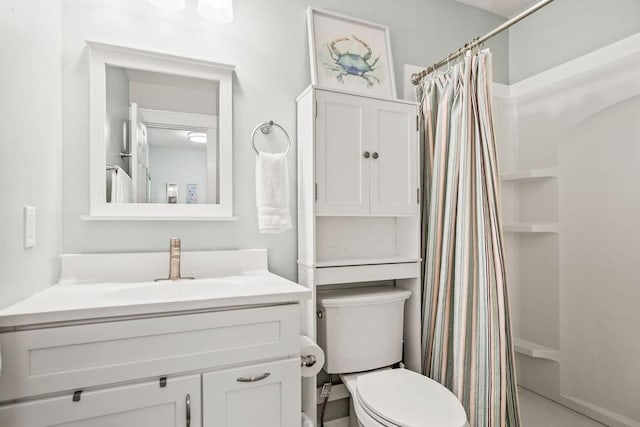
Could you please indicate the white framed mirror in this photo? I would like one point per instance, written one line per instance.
(160, 136)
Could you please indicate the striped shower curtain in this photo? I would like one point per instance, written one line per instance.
(466, 335)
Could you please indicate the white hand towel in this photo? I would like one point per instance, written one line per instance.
(121, 187)
(272, 192)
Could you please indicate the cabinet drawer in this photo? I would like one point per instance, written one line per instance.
(143, 404)
(265, 395)
(67, 358)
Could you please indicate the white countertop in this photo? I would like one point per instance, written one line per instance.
(74, 300)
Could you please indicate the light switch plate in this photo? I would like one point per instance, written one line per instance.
(29, 226)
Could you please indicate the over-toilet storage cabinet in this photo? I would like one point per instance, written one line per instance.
(365, 152)
(358, 203)
(224, 368)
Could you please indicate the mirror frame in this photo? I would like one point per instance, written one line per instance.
(100, 55)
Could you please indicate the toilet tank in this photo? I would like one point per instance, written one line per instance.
(360, 329)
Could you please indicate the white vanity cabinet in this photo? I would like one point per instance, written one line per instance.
(366, 155)
(233, 368)
(177, 404)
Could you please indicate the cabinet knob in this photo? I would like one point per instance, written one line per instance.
(375, 155)
(366, 154)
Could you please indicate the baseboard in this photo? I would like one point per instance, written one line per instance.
(338, 422)
(598, 413)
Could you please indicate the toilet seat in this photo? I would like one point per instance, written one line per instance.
(399, 397)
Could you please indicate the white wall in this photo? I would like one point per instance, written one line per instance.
(267, 41)
(600, 249)
(168, 98)
(177, 165)
(30, 144)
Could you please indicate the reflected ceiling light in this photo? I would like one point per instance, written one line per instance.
(199, 137)
(218, 11)
(168, 4)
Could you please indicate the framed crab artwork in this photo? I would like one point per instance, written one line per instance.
(350, 54)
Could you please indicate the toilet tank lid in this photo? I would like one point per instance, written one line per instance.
(362, 296)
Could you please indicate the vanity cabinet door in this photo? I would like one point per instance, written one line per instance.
(342, 154)
(142, 404)
(394, 158)
(265, 395)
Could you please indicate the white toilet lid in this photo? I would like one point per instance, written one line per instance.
(408, 399)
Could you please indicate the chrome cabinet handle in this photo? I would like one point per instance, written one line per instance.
(366, 154)
(253, 379)
(375, 155)
(188, 410)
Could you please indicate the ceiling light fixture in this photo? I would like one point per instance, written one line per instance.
(171, 5)
(199, 137)
(218, 11)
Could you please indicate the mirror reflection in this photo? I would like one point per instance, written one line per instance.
(161, 134)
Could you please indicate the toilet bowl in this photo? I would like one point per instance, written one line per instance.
(399, 397)
(361, 333)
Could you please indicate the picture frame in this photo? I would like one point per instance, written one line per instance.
(350, 54)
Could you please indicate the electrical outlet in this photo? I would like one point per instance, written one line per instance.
(326, 390)
(29, 226)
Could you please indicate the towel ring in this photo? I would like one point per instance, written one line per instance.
(266, 128)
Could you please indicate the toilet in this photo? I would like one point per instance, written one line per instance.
(360, 331)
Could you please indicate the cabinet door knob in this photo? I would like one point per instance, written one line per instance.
(366, 154)
(375, 155)
(188, 410)
(253, 379)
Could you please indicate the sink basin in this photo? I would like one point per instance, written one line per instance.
(178, 289)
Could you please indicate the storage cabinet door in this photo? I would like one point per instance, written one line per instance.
(342, 138)
(394, 159)
(143, 404)
(266, 395)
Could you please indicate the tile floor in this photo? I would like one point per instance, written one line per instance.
(537, 411)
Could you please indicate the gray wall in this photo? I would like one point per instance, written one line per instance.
(30, 147)
(267, 42)
(567, 29)
(177, 165)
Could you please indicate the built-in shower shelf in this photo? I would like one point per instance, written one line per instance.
(531, 228)
(538, 351)
(530, 174)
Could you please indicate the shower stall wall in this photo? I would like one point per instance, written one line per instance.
(569, 141)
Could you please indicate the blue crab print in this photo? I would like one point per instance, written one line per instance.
(352, 64)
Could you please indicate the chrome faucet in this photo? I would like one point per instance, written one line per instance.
(174, 261)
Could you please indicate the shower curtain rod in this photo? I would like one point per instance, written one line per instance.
(415, 78)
